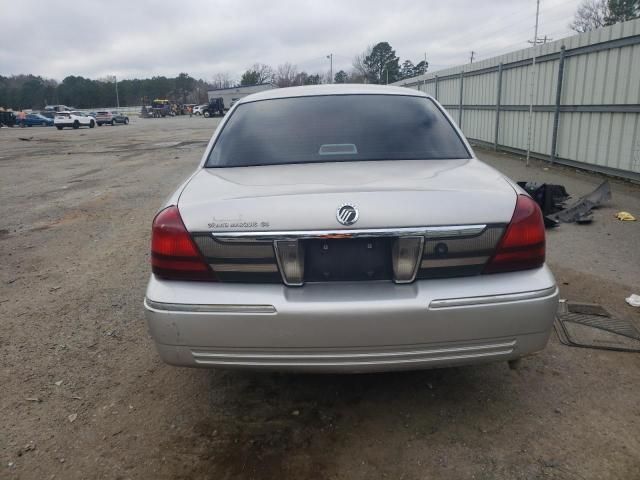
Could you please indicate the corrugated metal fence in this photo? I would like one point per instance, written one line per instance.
(586, 100)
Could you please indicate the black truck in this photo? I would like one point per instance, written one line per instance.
(7, 118)
(215, 107)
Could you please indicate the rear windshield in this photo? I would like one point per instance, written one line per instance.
(336, 128)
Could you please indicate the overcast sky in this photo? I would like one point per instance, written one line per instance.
(136, 38)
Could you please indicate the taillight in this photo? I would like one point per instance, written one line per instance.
(522, 246)
(174, 256)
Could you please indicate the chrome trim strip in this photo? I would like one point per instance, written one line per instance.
(453, 262)
(428, 232)
(499, 353)
(337, 355)
(245, 267)
(214, 308)
(492, 299)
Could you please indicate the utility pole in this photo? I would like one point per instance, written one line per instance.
(387, 75)
(532, 83)
(424, 72)
(473, 55)
(115, 79)
(330, 57)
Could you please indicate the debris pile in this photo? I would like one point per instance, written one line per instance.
(553, 198)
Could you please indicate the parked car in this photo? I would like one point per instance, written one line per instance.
(111, 117)
(197, 110)
(73, 120)
(48, 113)
(32, 119)
(346, 228)
(57, 108)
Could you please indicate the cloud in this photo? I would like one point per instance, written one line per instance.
(143, 38)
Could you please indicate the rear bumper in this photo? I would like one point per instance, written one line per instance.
(352, 327)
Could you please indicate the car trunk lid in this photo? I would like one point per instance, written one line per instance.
(303, 197)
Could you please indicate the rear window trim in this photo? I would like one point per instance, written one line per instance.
(329, 160)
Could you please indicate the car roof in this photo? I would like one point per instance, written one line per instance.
(342, 89)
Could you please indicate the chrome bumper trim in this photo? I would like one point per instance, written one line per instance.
(492, 299)
(335, 356)
(217, 308)
(352, 363)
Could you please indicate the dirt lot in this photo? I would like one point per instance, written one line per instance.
(85, 396)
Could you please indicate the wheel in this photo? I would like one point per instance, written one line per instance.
(126, 120)
(76, 124)
(92, 124)
(113, 123)
(58, 127)
(198, 113)
(29, 125)
(99, 124)
(206, 114)
(44, 124)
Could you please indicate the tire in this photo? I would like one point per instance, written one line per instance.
(92, 124)
(206, 114)
(126, 120)
(198, 113)
(99, 124)
(44, 124)
(76, 125)
(59, 127)
(113, 123)
(29, 125)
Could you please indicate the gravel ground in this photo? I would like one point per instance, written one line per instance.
(84, 394)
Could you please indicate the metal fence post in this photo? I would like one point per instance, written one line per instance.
(498, 99)
(436, 82)
(556, 112)
(460, 104)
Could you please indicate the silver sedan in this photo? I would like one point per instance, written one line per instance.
(346, 228)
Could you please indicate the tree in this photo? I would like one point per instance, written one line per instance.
(356, 77)
(383, 63)
(222, 80)
(286, 75)
(258, 73)
(361, 70)
(591, 14)
(29, 91)
(184, 86)
(315, 79)
(303, 78)
(407, 69)
(421, 68)
(622, 10)
(341, 77)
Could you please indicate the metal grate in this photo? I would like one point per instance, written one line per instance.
(598, 319)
